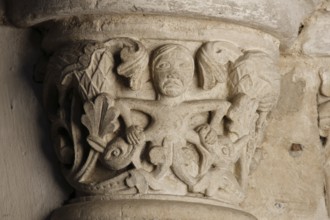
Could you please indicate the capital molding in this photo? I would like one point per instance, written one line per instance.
(158, 108)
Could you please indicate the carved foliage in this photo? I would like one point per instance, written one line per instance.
(93, 69)
(93, 79)
(126, 145)
(101, 121)
(213, 59)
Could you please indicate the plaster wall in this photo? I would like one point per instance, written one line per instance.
(30, 183)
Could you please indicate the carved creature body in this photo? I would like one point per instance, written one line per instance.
(262, 85)
(220, 181)
(170, 151)
(172, 122)
(172, 69)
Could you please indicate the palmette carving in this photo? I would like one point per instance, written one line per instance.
(110, 143)
(100, 119)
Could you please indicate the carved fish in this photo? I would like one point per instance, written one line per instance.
(118, 154)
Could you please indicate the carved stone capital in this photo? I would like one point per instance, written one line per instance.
(158, 113)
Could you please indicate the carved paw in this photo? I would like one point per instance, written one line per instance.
(135, 135)
(207, 134)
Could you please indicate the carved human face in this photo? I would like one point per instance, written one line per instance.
(173, 71)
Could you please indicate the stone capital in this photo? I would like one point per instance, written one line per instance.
(160, 106)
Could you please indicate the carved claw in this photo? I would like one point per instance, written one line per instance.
(135, 135)
(207, 134)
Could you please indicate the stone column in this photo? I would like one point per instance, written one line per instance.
(158, 109)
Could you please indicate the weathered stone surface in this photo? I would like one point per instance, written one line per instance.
(280, 18)
(155, 124)
(137, 209)
(183, 109)
(289, 182)
(316, 36)
(172, 29)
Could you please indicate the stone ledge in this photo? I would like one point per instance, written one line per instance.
(279, 18)
(146, 209)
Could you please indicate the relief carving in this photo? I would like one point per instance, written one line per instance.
(114, 136)
(324, 126)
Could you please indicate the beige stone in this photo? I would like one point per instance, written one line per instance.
(280, 18)
(183, 109)
(316, 40)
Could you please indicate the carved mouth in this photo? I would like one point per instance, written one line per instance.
(173, 83)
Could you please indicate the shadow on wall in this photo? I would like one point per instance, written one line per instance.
(33, 65)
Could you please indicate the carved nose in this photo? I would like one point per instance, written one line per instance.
(172, 75)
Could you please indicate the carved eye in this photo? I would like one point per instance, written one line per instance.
(163, 65)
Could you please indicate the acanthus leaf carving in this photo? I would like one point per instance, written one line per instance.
(151, 146)
(100, 119)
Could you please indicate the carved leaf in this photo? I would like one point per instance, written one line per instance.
(212, 59)
(135, 62)
(93, 67)
(101, 117)
(93, 80)
(91, 72)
